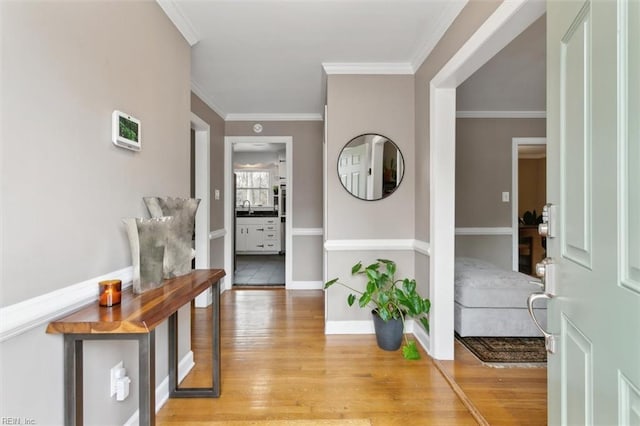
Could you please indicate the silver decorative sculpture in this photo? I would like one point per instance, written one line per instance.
(148, 239)
(179, 252)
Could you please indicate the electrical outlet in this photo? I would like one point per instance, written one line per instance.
(216, 194)
(116, 372)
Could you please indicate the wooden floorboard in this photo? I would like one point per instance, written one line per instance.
(277, 364)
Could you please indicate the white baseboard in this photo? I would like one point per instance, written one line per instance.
(204, 299)
(162, 390)
(366, 327)
(349, 327)
(23, 316)
(422, 337)
(305, 285)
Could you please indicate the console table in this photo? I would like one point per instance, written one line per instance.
(136, 318)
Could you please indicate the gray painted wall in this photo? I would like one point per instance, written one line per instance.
(307, 187)
(466, 23)
(216, 170)
(483, 172)
(514, 79)
(360, 104)
(65, 186)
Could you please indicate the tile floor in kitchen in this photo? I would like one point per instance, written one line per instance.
(265, 270)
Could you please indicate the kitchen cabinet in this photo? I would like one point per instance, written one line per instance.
(257, 234)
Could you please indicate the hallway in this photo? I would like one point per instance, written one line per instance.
(278, 364)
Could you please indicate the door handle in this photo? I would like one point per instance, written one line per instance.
(549, 339)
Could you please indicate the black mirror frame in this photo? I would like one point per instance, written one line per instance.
(398, 179)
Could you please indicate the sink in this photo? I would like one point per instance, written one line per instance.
(257, 213)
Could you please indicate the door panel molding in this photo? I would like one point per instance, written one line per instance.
(577, 375)
(575, 142)
(629, 401)
(628, 137)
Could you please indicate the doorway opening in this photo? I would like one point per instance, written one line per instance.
(201, 184)
(529, 169)
(509, 20)
(258, 211)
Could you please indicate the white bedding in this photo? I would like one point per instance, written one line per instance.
(479, 284)
(490, 301)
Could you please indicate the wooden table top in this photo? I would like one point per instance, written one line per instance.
(137, 313)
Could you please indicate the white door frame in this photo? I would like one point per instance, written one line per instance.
(509, 20)
(229, 208)
(515, 143)
(203, 192)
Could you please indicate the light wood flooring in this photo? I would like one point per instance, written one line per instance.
(278, 364)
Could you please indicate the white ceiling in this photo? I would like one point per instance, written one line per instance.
(261, 59)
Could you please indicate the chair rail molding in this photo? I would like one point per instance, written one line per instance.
(23, 316)
(378, 244)
(501, 230)
(307, 232)
(218, 233)
(501, 114)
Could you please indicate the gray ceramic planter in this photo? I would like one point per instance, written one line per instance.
(388, 333)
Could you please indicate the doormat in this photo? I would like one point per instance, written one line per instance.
(507, 350)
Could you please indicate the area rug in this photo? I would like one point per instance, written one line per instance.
(507, 350)
(314, 422)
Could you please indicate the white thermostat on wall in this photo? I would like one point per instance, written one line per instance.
(126, 131)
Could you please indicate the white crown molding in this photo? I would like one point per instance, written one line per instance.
(182, 23)
(305, 285)
(218, 233)
(199, 91)
(307, 232)
(485, 231)
(274, 117)
(23, 316)
(366, 245)
(382, 68)
(501, 114)
(446, 19)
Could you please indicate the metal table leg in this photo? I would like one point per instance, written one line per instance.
(73, 402)
(214, 390)
(147, 379)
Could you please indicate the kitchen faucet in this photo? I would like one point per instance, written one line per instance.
(247, 201)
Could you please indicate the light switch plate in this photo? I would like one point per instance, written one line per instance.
(505, 197)
(216, 194)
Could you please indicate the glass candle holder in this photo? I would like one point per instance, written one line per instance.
(110, 292)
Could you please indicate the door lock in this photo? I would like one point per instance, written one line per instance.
(545, 270)
(548, 227)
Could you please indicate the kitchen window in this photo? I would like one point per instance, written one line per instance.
(255, 186)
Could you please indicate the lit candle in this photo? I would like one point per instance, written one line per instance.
(110, 292)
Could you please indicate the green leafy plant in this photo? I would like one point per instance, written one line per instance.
(390, 297)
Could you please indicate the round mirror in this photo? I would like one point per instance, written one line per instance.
(370, 166)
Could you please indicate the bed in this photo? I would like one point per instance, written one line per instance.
(490, 301)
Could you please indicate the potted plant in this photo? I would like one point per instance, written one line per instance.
(392, 301)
